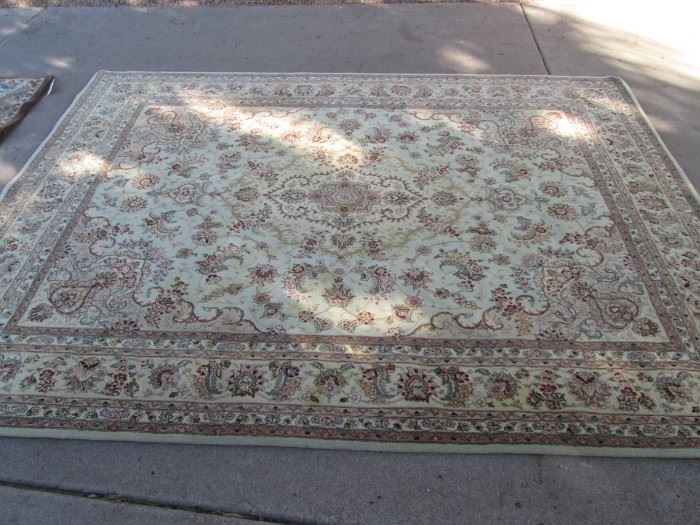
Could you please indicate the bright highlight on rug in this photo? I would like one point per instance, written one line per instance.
(453, 260)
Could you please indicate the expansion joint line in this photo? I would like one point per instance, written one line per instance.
(534, 37)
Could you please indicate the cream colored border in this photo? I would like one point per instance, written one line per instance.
(334, 444)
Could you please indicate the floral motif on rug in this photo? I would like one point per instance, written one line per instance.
(17, 96)
(441, 259)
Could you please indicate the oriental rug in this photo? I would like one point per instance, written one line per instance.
(17, 96)
(353, 260)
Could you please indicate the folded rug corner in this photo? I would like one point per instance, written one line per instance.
(17, 97)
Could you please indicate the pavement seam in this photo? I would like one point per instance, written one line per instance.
(534, 37)
(144, 502)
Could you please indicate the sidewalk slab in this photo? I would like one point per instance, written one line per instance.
(334, 487)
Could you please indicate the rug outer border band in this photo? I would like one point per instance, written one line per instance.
(339, 444)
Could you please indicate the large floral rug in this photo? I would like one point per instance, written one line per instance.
(445, 260)
(17, 96)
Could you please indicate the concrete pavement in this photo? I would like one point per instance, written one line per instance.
(284, 485)
(53, 481)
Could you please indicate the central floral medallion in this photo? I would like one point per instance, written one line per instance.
(345, 196)
(345, 199)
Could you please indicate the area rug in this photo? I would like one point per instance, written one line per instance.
(17, 96)
(395, 262)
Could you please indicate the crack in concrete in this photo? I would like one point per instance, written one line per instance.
(143, 502)
(534, 37)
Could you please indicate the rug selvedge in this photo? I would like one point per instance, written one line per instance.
(378, 258)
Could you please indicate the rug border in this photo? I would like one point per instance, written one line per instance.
(339, 444)
(693, 191)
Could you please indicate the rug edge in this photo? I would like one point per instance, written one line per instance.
(348, 445)
(635, 101)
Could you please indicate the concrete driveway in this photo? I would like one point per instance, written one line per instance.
(55, 481)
